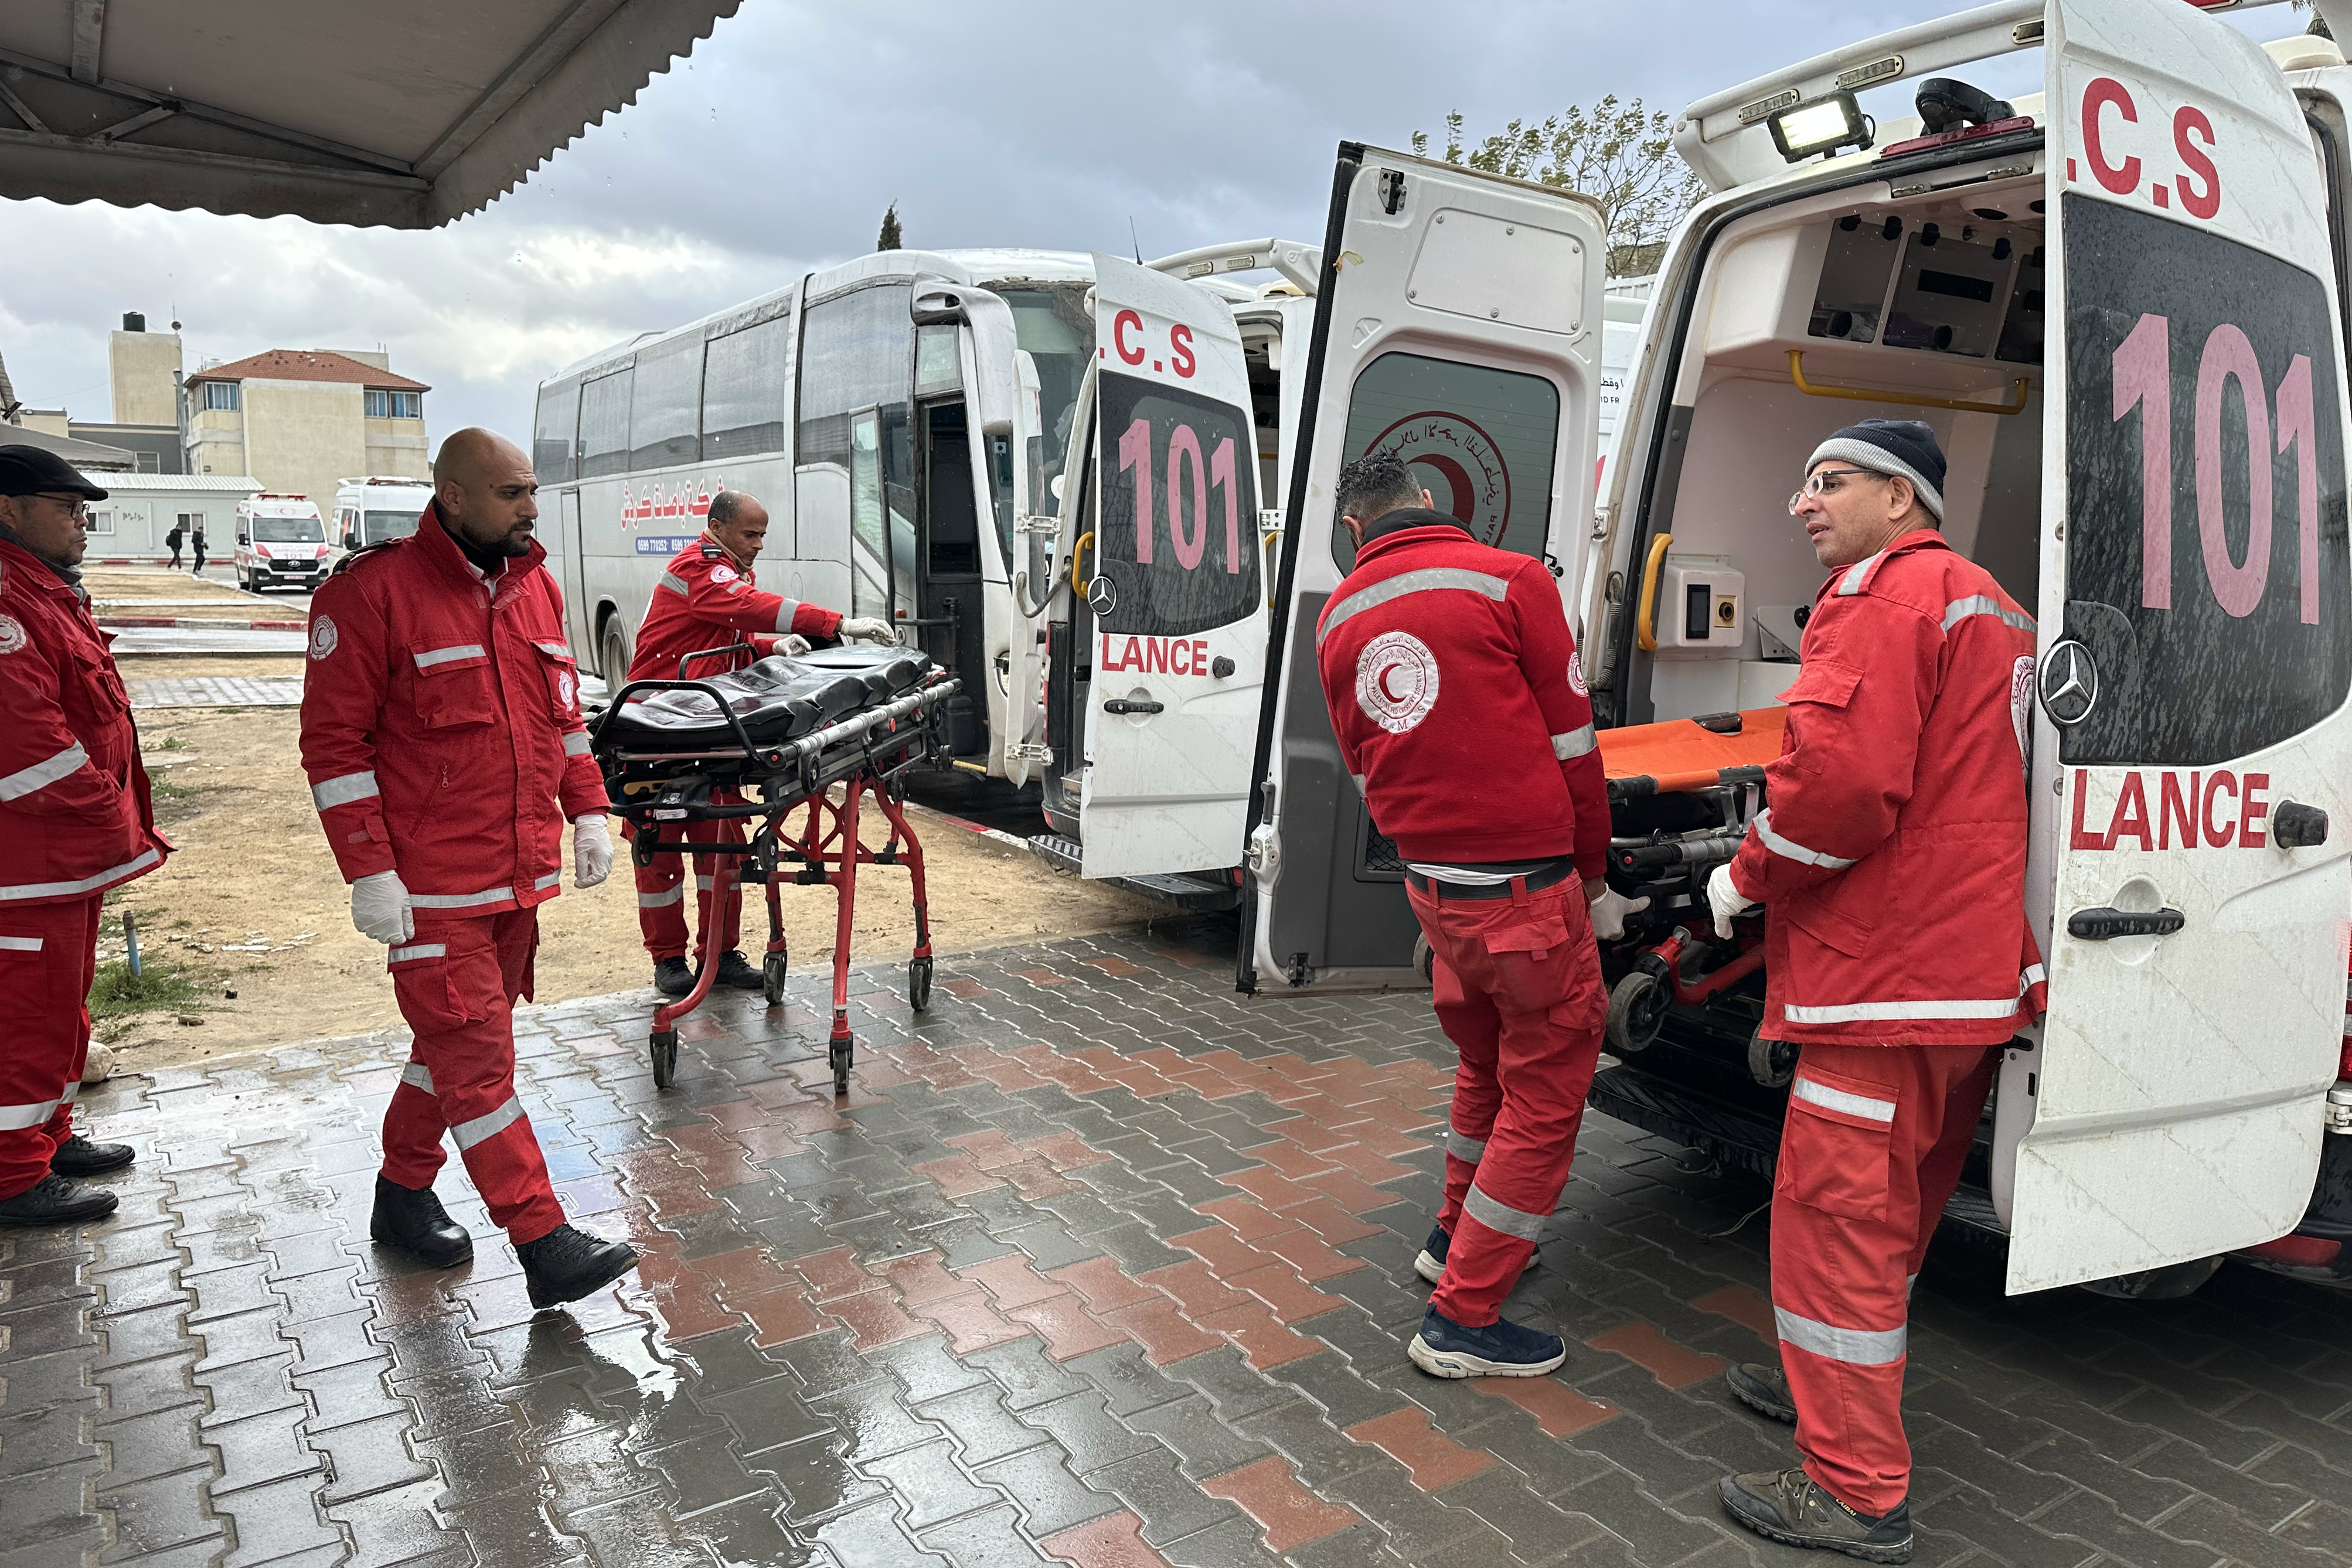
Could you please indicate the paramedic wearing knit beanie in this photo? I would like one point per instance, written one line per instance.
(1867, 485)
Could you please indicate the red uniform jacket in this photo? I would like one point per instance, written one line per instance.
(706, 600)
(1453, 683)
(75, 817)
(1891, 860)
(441, 723)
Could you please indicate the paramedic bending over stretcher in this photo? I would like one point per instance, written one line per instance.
(1452, 684)
(1890, 863)
(708, 599)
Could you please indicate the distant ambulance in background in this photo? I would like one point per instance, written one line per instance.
(280, 542)
(371, 510)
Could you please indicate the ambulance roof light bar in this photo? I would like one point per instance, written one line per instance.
(1298, 261)
(1710, 133)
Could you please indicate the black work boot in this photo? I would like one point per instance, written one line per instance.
(57, 1200)
(1789, 1506)
(672, 978)
(1763, 1389)
(736, 970)
(412, 1220)
(566, 1264)
(77, 1156)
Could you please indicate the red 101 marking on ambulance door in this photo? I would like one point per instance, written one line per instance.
(1183, 463)
(2184, 811)
(1180, 357)
(2107, 107)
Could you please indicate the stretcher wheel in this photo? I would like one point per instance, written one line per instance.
(1636, 1008)
(1424, 960)
(665, 1054)
(771, 979)
(838, 1055)
(1771, 1062)
(919, 983)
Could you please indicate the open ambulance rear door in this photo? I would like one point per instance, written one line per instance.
(2195, 653)
(1459, 324)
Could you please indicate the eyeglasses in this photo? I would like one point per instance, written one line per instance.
(77, 506)
(1818, 485)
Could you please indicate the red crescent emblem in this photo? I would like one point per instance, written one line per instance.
(1382, 681)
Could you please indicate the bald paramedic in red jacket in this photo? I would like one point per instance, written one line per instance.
(441, 731)
(1452, 684)
(1890, 863)
(74, 822)
(709, 599)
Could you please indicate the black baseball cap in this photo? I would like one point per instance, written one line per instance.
(37, 470)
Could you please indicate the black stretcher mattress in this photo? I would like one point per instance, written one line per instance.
(782, 697)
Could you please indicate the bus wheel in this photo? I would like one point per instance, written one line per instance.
(1636, 1008)
(615, 653)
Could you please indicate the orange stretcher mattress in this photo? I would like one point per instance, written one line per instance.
(1680, 754)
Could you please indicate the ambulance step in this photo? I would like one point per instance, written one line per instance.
(1062, 854)
(1190, 892)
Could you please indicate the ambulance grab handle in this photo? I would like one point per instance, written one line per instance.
(1645, 629)
(2105, 925)
(1122, 706)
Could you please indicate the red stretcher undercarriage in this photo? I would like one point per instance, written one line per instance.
(750, 759)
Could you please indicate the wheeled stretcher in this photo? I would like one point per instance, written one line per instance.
(815, 733)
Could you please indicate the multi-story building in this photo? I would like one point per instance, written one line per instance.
(299, 420)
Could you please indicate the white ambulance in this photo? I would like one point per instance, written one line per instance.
(377, 508)
(2118, 303)
(280, 542)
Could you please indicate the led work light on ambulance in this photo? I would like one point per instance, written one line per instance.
(1821, 126)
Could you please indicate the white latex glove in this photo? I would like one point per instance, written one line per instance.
(1726, 899)
(591, 849)
(1610, 908)
(380, 907)
(868, 628)
(792, 645)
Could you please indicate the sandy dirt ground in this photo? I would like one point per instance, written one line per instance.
(253, 881)
(120, 590)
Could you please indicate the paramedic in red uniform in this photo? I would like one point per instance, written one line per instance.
(74, 821)
(1891, 864)
(708, 599)
(442, 735)
(1453, 683)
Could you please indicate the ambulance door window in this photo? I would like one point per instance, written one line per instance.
(2217, 604)
(1177, 544)
(1480, 441)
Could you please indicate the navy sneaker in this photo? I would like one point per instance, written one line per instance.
(1443, 1348)
(1431, 1264)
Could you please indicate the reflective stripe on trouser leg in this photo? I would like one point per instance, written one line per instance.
(460, 1007)
(661, 904)
(727, 931)
(412, 1126)
(1842, 1250)
(44, 980)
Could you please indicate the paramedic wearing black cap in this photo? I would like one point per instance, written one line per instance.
(75, 820)
(1891, 862)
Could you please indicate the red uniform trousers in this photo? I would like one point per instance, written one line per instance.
(1873, 1147)
(1518, 992)
(48, 953)
(661, 892)
(457, 981)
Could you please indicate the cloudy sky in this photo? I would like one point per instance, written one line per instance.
(775, 148)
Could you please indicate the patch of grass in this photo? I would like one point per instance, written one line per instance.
(170, 743)
(163, 789)
(161, 983)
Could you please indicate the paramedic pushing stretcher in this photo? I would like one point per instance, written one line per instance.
(442, 735)
(1453, 685)
(1890, 863)
(709, 599)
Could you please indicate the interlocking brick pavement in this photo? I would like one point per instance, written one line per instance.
(1099, 1264)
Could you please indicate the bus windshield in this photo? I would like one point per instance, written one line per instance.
(1051, 323)
(288, 531)
(377, 526)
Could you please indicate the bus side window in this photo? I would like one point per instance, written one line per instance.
(605, 425)
(554, 434)
(745, 394)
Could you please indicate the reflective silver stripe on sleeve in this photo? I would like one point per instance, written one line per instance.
(554, 650)
(20, 944)
(433, 656)
(1855, 1347)
(1959, 610)
(417, 1075)
(16, 1118)
(575, 742)
(1464, 1148)
(1404, 582)
(460, 900)
(1866, 1012)
(1575, 743)
(1497, 1214)
(1821, 1095)
(549, 880)
(469, 1133)
(677, 893)
(144, 858)
(674, 582)
(1850, 584)
(1789, 849)
(416, 950)
(785, 610)
(44, 773)
(343, 792)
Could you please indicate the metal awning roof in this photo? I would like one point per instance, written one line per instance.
(403, 115)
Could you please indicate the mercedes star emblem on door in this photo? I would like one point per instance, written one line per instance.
(1101, 597)
(2070, 683)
